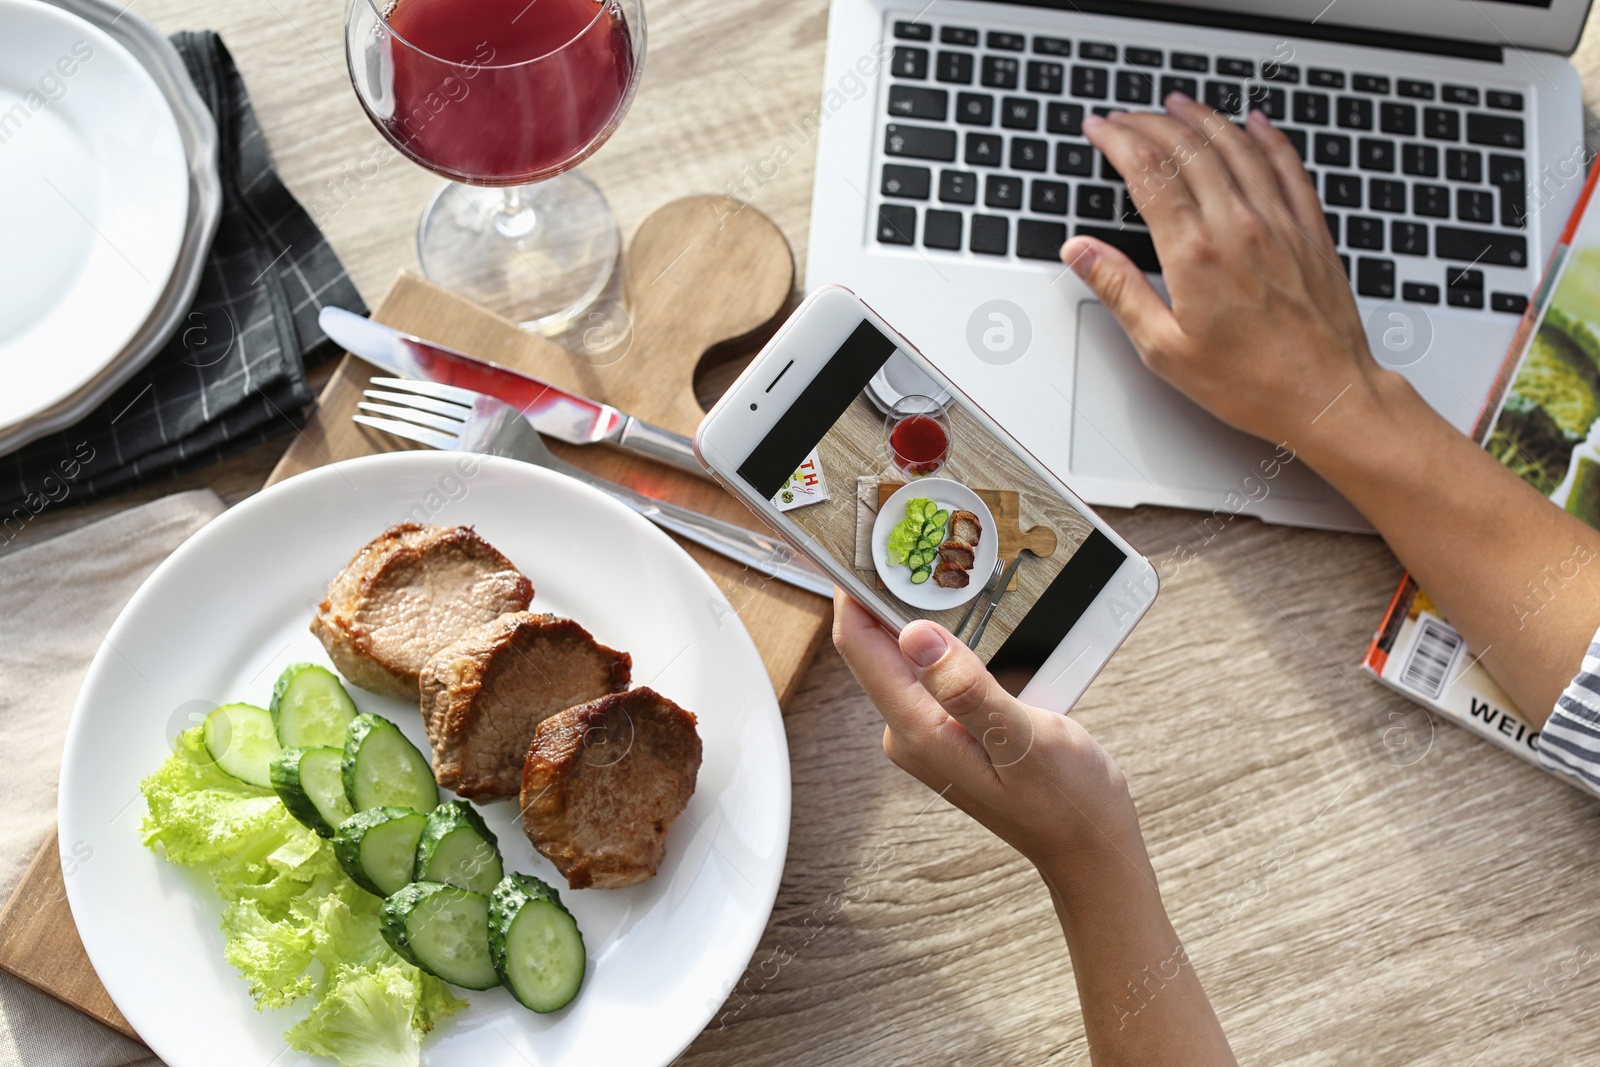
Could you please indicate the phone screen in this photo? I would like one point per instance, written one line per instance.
(881, 464)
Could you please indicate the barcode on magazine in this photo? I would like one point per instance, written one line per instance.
(1432, 655)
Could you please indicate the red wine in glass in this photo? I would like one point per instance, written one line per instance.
(525, 89)
(919, 443)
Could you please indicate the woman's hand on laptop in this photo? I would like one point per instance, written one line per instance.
(1262, 330)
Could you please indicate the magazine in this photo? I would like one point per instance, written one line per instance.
(1542, 420)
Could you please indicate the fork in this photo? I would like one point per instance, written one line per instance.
(454, 419)
(996, 587)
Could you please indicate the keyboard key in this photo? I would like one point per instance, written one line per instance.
(1270, 100)
(1463, 278)
(1298, 139)
(1375, 277)
(1000, 72)
(909, 62)
(1052, 46)
(911, 183)
(1430, 201)
(1333, 225)
(1142, 57)
(910, 102)
(1064, 118)
(1363, 232)
(991, 234)
(1002, 41)
(1500, 131)
(1177, 83)
(1190, 61)
(1342, 190)
(1135, 244)
(1019, 113)
(1344, 261)
(1414, 89)
(1408, 238)
(1505, 172)
(974, 109)
(1074, 159)
(1354, 113)
(1463, 298)
(897, 224)
(1002, 190)
(1273, 71)
(1311, 108)
(954, 67)
(1236, 68)
(1109, 173)
(1226, 97)
(1441, 124)
(1504, 101)
(1421, 160)
(959, 35)
(1463, 165)
(1420, 293)
(1135, 87)
(1097, 202)
(1370, 83)
(1098, 51)
(1029, 153)
(941, 229)
(1327, 79)
(1514, 303)
(1048, 197)
(1045, 78)
(1090, 82)
(1374, 153)
(983, 149)
(1130, 210)
(1037, 239)
(1398, 119)
(1333, 150)
(1461, 94)
(919, 142)
(913, 31)
(958, 187)
(1474, 205)
(1480, 246)
(1384, 195)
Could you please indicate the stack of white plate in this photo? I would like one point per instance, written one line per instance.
(109, 198)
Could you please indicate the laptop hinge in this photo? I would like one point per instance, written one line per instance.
(1232, 20)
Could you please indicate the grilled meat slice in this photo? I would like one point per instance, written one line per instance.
(957, 553)
(965, 526)
(409, 592)
(604, 782)
(483, 696)
(951, 576)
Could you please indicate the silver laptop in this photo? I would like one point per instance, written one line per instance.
(1445, 137)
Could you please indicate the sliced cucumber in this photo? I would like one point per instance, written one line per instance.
(310, 782)
(458, 849)
(384, 769)
(310, 708)
(443, 930)
(924, 544)
(241, 740)
(940, 517)
(929, 509)
(535, 943)
(378, 848)
(920, 575)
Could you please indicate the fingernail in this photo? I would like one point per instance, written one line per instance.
(1082, 264)
(1092, 121)
(1178, 99)
(1259, 118)
(923, 645)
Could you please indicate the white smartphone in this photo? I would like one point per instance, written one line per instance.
(850, 444)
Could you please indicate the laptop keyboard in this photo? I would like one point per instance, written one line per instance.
(1423, 182)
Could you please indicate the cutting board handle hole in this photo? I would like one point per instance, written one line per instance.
(724, 361)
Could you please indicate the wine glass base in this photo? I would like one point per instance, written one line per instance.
(537, 254)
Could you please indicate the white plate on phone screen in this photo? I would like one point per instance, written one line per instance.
(949, 495)
(94, 198)
(219, 619)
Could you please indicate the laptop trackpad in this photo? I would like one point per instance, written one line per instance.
(1131, 426)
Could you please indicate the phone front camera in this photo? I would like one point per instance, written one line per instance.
(752, 407)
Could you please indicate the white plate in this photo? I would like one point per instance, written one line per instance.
(94, 197)
(219, 619)
(898, 378)
(949, 495)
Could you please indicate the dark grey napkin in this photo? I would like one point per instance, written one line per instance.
(235, 372)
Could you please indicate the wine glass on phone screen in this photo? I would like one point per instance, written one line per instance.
(504, 98)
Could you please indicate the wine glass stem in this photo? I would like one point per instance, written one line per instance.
(516, 217)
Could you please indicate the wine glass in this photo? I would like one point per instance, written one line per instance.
(918, 432)
(504, 98)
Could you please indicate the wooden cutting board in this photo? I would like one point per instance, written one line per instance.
(1006, 506)
(700, 272)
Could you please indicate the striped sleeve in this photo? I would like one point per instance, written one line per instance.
(1570, 741)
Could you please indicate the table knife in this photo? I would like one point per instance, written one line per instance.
(552, 410)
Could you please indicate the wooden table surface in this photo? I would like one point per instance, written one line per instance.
(1354, 884)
